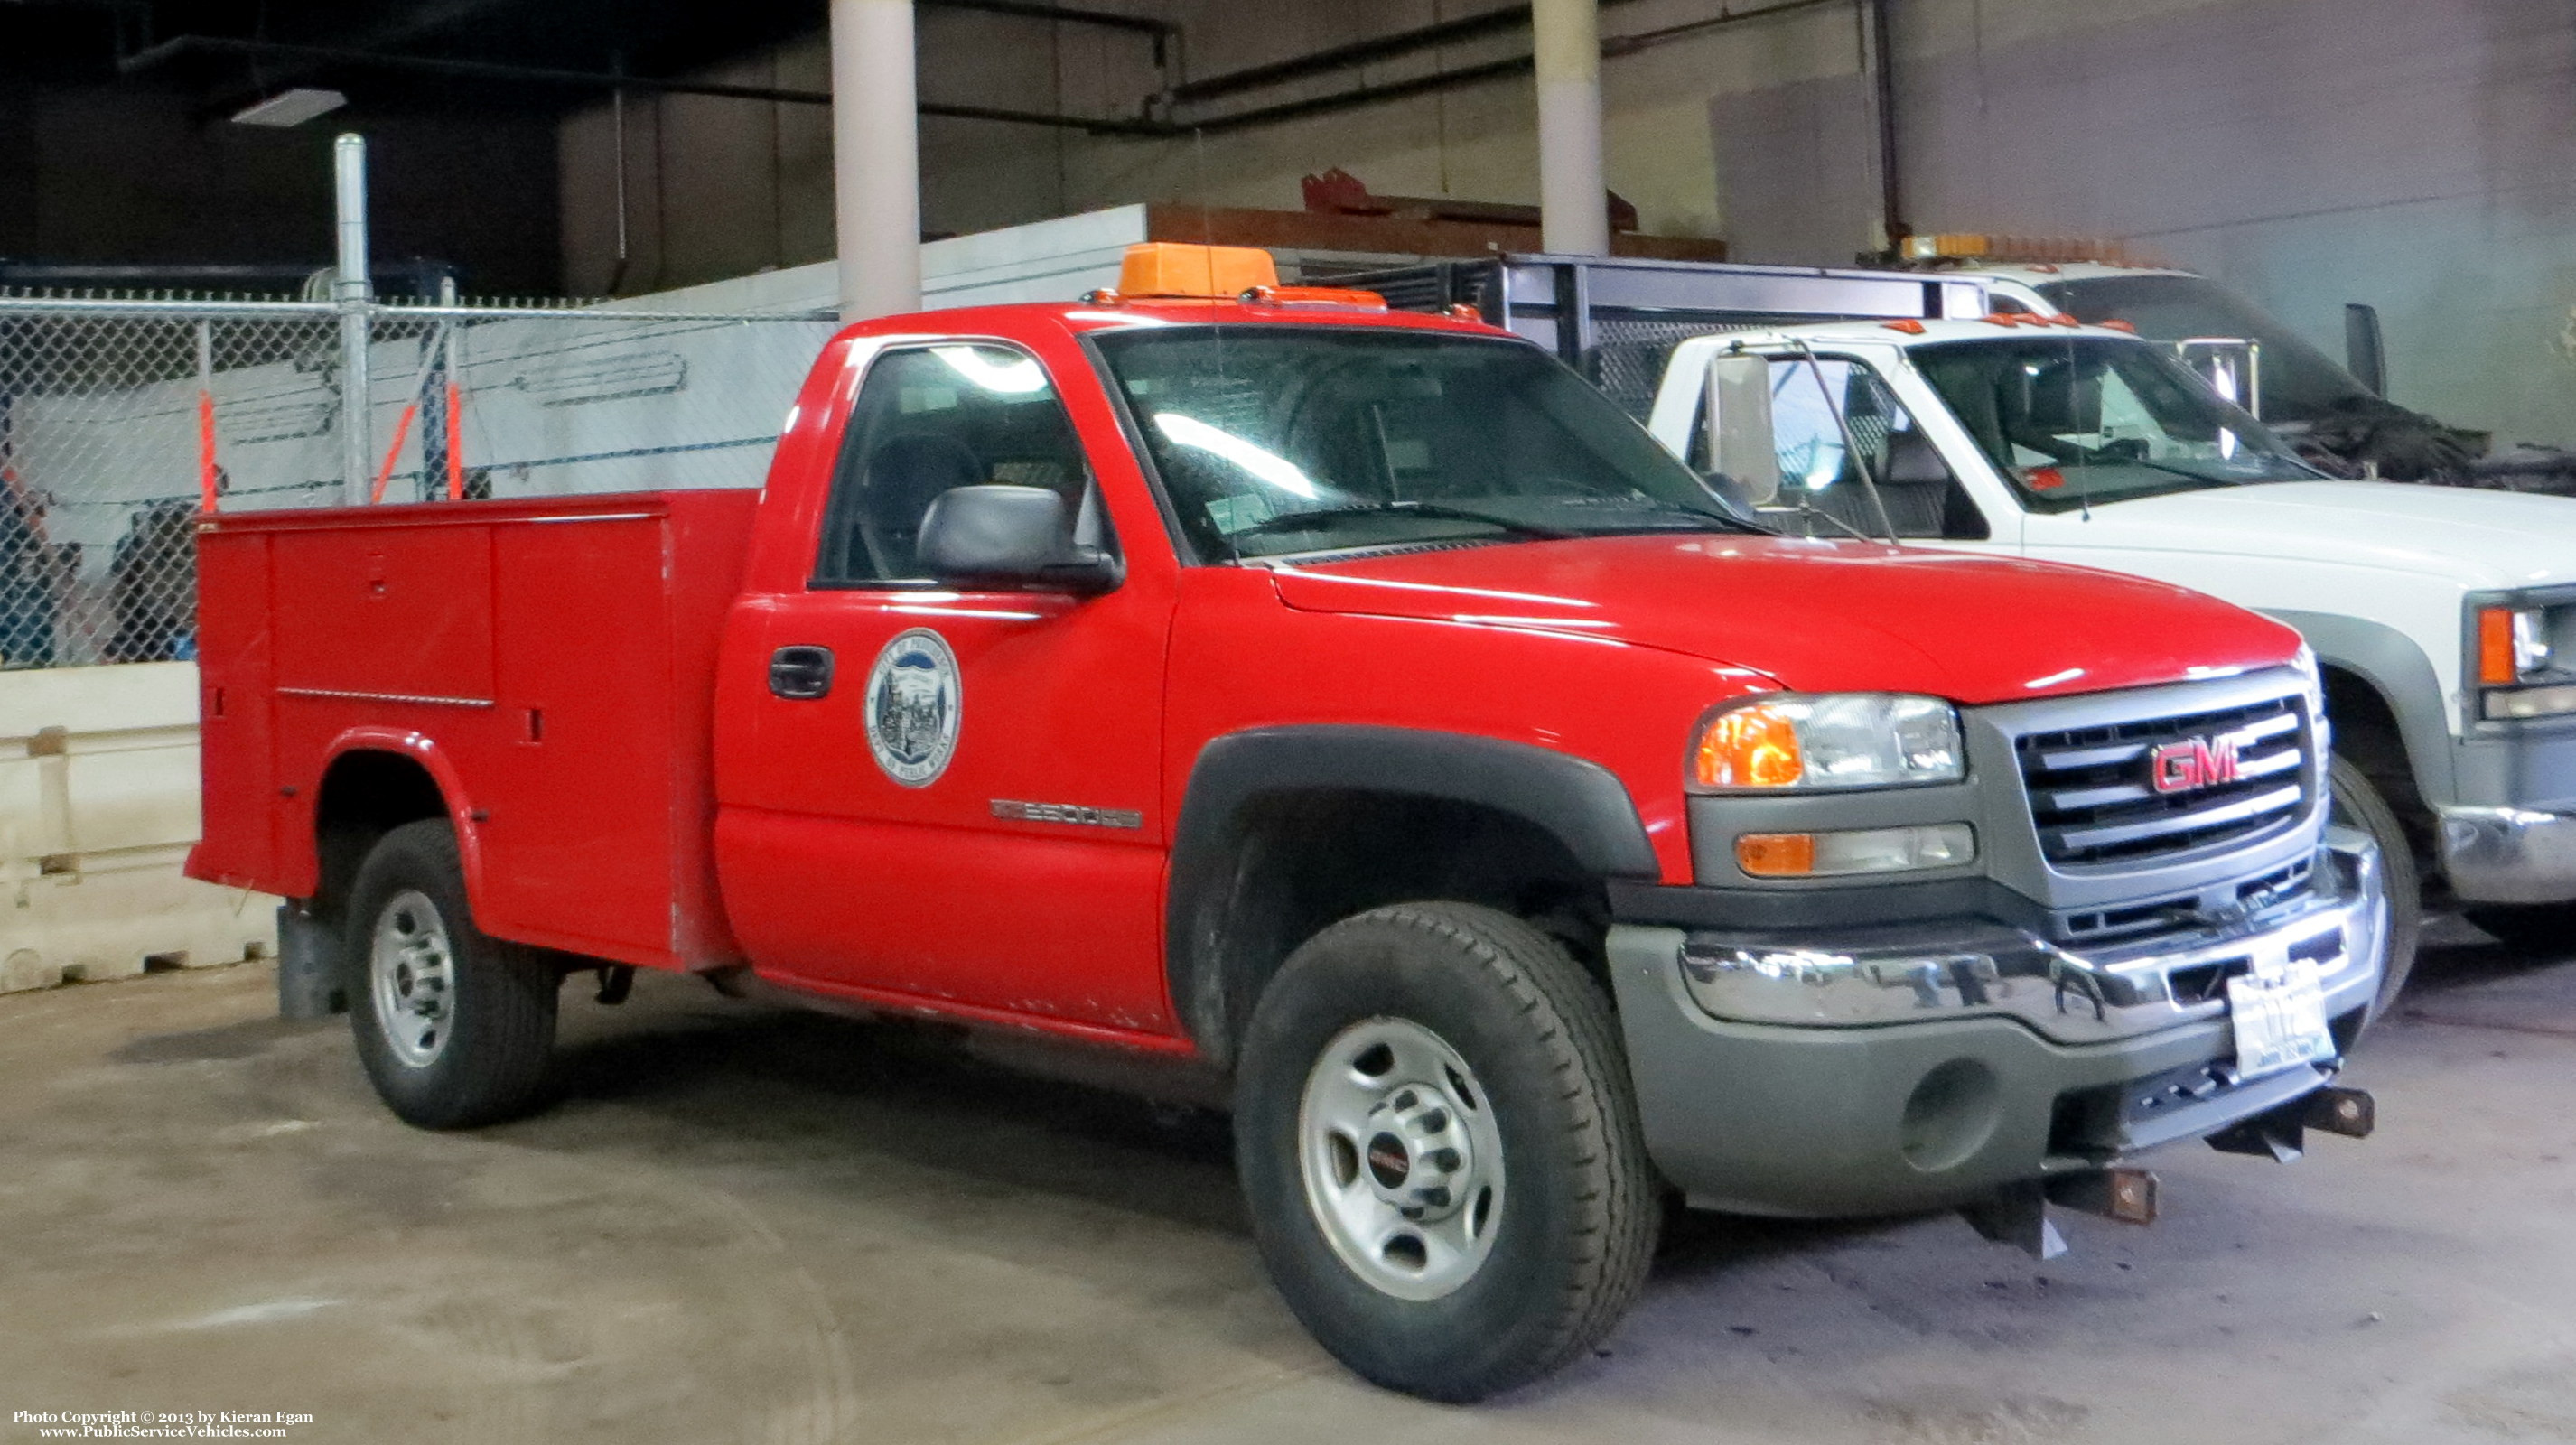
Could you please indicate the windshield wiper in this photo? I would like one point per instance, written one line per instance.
(2168, 468)
(1683, 519)
(1329, 516)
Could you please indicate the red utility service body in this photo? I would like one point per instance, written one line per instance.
(586, 679)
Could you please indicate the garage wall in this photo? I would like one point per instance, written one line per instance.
(722, 188)
(2416, 154)
(1477, 142)
(2419, 155)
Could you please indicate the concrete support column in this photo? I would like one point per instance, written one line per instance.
(1574, 216)
(876, 158)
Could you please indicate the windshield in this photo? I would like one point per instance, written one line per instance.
(1278, 439)
(2300, 383)
(2071, 420)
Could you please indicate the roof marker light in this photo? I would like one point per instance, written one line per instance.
(1312, 296)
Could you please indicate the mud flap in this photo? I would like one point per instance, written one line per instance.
(312, 982)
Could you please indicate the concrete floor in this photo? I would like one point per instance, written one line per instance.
(762, 1226)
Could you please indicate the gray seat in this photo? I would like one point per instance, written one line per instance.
(1913, 481)
(905, 475)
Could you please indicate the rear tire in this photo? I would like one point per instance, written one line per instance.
(2357, 804)
(456, 1028)
(1485, 1061)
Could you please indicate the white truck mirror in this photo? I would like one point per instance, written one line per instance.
(1737, 413)
(2232, 365)
(2365, 353)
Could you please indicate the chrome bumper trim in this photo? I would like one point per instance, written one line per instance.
(2509, 855)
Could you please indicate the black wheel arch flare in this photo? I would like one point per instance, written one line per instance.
(1577, 802)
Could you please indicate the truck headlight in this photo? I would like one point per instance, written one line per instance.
(2513, 658)
(1827, 740)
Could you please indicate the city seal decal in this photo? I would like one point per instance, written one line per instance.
(912, 706)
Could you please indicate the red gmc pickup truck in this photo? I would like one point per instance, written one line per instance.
(1356, 705)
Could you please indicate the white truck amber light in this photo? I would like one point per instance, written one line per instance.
(2513, 644)
(1827, 740)
(1870, 850)
(2511, 657)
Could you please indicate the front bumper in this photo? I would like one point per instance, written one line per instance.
(2508, 855)
(2003, 1080)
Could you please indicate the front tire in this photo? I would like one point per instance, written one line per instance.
(1440, 1151)
(2357, 804)
(456, 1028)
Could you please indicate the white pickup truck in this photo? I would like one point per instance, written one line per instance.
(2336, 413)
(2445, 618)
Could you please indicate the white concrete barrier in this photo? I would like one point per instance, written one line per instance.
(98, 807)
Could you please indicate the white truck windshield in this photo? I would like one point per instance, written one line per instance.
(2300, 383)
(2071, 420)
(1276, 439)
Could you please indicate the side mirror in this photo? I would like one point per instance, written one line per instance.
(2365, 354)
(1737, 414)
(2232, 365)
(1013, 536)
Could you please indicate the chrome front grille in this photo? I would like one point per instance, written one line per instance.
(2094, 793)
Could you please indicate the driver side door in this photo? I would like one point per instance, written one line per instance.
(1836, 427)
(952, 793)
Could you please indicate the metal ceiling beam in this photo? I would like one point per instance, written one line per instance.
(1612, 46)
(1343, 57)
(329, 55)
(1068, 14)
(1147, 129)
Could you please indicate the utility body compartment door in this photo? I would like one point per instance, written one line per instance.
(964, 812)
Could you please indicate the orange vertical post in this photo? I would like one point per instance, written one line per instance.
(205, 450)
(455, 443)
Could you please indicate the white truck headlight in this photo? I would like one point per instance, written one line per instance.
(2513, 658)
(1827, 740)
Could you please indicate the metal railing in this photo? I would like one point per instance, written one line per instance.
(121, 419)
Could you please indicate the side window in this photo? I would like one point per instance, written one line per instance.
(934, 417)
(1923, 498)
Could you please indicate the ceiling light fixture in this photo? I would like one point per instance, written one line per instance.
(291, 107)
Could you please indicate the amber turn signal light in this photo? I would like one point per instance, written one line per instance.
(1868, 850)
(1776, 855)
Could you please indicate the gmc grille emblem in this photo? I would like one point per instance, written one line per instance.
(2194, 763)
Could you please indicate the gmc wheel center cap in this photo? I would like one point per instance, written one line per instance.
(1389, 1162)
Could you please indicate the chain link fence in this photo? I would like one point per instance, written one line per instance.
(121, 419)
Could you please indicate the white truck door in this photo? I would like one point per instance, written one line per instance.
(1834, 418)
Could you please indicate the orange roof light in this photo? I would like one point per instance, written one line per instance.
(2042, 253)
(1215, 273)
(1909, 326)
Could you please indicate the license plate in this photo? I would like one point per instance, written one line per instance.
(2279, 1015)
